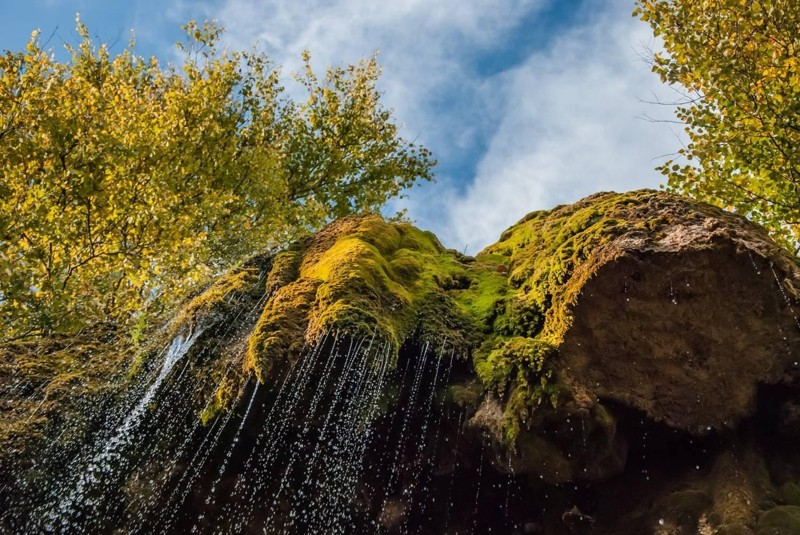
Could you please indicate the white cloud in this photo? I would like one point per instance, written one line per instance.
(571, 126)
(558, 126)
(422, 45)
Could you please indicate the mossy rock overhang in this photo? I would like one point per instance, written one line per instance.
(364, 277)
(664, 304)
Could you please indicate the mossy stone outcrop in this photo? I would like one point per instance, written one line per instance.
(592, 343)
(366, 277)
(656, 302)
(645, 299)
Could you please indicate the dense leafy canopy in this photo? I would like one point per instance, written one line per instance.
(739, 63)
(124, 182)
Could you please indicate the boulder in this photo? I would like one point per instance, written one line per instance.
(666, 305)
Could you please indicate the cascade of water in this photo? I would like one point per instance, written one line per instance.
(171, 505)
(210, 498)
(349, 443)
(318, 448)
(438, 427)
(509, 481)
(274, 433)
(387, 451)
(785, 296)
(420, 455)
(195, 469)
(302, 470)
(449, 502)
(395, 465)
(183, 427)
(350, 359)
(102, 462)
(232, 505)
(324, 431)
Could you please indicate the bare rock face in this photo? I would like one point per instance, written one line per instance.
(686, 324)
(665, 305)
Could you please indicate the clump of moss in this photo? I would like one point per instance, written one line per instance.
(520, 371)
(285, 268)
(281, 330)
(533, 276)
(225, 293)
(548, 253)
(363, 276)
(467, 394)
(221, 400)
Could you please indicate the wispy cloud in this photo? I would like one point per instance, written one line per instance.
(571, 126)
(552, 127)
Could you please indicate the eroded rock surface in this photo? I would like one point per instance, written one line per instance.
(685, 320)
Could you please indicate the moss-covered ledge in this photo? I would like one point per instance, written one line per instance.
(537, 311)
(363, 276)
(530, 308)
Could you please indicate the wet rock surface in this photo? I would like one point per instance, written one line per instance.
(684, 328)
(624, 365)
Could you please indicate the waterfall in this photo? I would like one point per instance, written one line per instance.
(102, 461)
(344, 434)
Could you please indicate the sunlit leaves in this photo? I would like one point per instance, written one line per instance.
(125, 182)
(739, 62)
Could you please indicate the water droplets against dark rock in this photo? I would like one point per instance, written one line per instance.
(617, 366)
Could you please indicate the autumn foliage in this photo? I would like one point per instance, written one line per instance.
(738, 63)
(124, 182)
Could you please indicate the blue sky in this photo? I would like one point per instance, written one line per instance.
(525, 103)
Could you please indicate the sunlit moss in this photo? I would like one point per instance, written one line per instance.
(221, 400)
(363, 276)
(509, 307)
(224, 293)
(532, 279)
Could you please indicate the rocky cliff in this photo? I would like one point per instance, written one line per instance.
(626, 364)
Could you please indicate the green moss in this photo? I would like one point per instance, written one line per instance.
(280, 331)
(551, 254)
(223, 397)
(226, 311)
(488, 285)
(520, 370)
(366, 277)
(284, 268)
(224, 293)
(548, 253)
(467, 394)
(363, 276)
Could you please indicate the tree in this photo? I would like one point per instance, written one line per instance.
(124, 182)
(739, 63)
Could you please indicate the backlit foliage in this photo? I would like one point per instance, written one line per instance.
(123, 182)
(739, 63)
